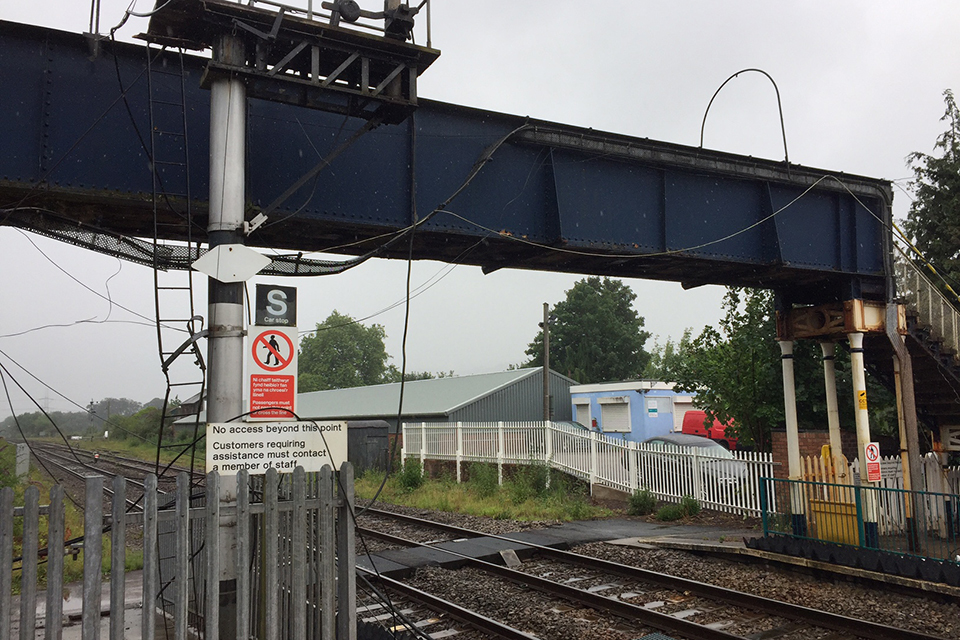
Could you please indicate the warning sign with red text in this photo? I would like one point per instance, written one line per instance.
(272, 373)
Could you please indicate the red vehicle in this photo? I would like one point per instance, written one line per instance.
(693, 425)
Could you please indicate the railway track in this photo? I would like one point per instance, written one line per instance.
(687, 608)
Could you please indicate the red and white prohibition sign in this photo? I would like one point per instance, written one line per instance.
(273, 350)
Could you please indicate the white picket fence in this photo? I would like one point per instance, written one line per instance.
(723, 484)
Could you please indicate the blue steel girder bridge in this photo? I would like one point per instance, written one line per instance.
(482, 188)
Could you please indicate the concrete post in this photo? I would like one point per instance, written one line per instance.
(228, 110)
(794, 471)
(870, 530)
(830, 383)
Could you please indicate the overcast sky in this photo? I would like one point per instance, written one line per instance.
(861, 85)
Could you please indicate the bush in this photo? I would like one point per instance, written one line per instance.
(670, 512)
(484, 479)
(529, 481)
(410, 477)
(688, 507)
(641, 503)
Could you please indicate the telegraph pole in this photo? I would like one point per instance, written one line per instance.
(546, 361)
(228, 110)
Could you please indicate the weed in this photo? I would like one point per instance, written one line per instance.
(641, 503)
(410, 477)
(670, 512)
(690, 506)
(484, 479)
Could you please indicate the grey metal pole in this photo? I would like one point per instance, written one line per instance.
(546, 362)
(228, 109)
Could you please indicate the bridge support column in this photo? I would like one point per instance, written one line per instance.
(228, 111)
(870, 531)
(797, 504)
(829, 349)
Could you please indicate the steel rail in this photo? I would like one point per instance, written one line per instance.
(466, 616)
(819, 618)
(661, 621)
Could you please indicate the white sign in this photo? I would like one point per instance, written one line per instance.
(272, 373)
(652, 408)
(232, 446)
(871, 451)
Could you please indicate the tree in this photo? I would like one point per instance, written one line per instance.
(737, 375)
(933, 222)
(342, 353)
(595, 334)
(667, 358)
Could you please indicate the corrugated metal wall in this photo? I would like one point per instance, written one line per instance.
(520, 401)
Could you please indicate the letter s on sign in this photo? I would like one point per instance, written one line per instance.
(277, 303)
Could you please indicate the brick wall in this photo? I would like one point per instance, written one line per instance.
(810, 444)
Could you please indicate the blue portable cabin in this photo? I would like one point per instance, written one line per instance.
(632, 410)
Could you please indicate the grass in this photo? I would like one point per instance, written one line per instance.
(141, 450)
(73, 528)
(531, 494)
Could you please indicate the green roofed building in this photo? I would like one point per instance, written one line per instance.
(508, 395)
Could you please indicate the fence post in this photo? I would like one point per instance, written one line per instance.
(632, 466)
(593, 459)
(500, 447)
(118, 549)
(423, 447)
(346, 559)
(298, 589)
(182, 562)
(243, 554)
(55, 525)
(327, 574)
(271, 551)
(697, 480)
(212, 530)
(403, 445)
(548, 443)
(28, 566)
(150, 560)
(6, 561)
(459, 448)
(92, 557)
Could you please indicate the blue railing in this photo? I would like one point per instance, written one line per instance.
(916, 523)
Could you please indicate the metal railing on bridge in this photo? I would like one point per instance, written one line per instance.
(728, 482)
(935, 311)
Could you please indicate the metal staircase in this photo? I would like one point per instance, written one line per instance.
(179, 327)
(933, 326)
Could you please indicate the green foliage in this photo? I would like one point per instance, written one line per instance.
(342, 353)
(8, 464)
(688, 507)
(528, 482)
(641, 503)
(737, 375)
(666, 359)
(484, 479)
(933, 222)
(596, 334)
(411, 477)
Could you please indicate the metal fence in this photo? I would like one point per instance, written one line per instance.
(725, 483)
(294, 558)
(918, 523)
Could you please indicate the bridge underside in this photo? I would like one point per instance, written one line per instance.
(544, 196)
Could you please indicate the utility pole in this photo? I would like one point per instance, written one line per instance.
(228, 111)
(546, 361)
